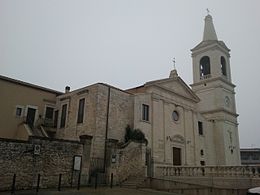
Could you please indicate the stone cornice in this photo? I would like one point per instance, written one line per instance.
(49, 101)
(203, 47)
(211, 80)
(157, 97)
(220, 110)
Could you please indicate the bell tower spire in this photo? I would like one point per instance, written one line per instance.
(209, 30)
(212, 84)
(210, 56)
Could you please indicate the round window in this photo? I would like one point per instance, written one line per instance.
(175, 115)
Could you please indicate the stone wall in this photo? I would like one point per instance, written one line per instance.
(130, 162)
(106, 109)
(55, 157)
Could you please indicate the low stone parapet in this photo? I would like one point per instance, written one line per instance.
(217, 179)
(208, 171)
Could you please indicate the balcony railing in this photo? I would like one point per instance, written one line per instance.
(205, 77)
(48, 123)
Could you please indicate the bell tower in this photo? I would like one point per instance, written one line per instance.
(213, 85)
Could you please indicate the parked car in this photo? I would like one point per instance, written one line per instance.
(253, 191)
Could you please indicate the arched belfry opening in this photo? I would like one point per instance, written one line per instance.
(204, 67)
(223, 66)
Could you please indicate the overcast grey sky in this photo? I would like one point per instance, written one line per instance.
(125, 43)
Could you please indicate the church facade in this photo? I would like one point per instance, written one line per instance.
(183, 125)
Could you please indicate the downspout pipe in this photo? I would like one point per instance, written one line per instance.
(107, 120)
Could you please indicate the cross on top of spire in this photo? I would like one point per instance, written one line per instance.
(207, 11)
(174, 63)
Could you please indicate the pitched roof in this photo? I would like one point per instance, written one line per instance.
(194, 98)
(159, 83)
(18, 82)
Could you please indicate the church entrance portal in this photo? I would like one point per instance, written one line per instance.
(176, 156)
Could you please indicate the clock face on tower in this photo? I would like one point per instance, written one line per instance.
(227, 101)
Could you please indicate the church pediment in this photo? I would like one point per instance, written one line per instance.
(209, 44)
(175, 85)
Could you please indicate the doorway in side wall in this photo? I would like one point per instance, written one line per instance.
(176, 156)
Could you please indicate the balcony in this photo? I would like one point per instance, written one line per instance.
(203, 77)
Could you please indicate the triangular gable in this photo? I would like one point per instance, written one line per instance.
(210, 43)
(176, 86)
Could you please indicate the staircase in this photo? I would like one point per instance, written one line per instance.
(133, 182)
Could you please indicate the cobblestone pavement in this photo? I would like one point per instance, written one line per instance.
(92, 191)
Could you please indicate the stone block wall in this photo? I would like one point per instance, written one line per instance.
(106, 108)
(55, 157)
(130, 162)
(72, 129)
(114, 111)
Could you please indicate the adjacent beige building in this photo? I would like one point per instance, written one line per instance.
(183, 125)
(22, 105)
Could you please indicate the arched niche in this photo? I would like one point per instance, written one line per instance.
(204, 67)
(223, 66)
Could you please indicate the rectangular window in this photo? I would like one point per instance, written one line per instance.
(244, 156)
(255, 157)
(49, 113)
(200, 127)
(63, 116)
(81, 110)
(56, 118)
(202, 163)
(19, 111)
(145, 112)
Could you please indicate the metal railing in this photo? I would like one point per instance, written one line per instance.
(203, 77)
(37, 182)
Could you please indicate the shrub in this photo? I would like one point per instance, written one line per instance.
(134, 134)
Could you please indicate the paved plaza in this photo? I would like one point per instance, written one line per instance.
(92, 191)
